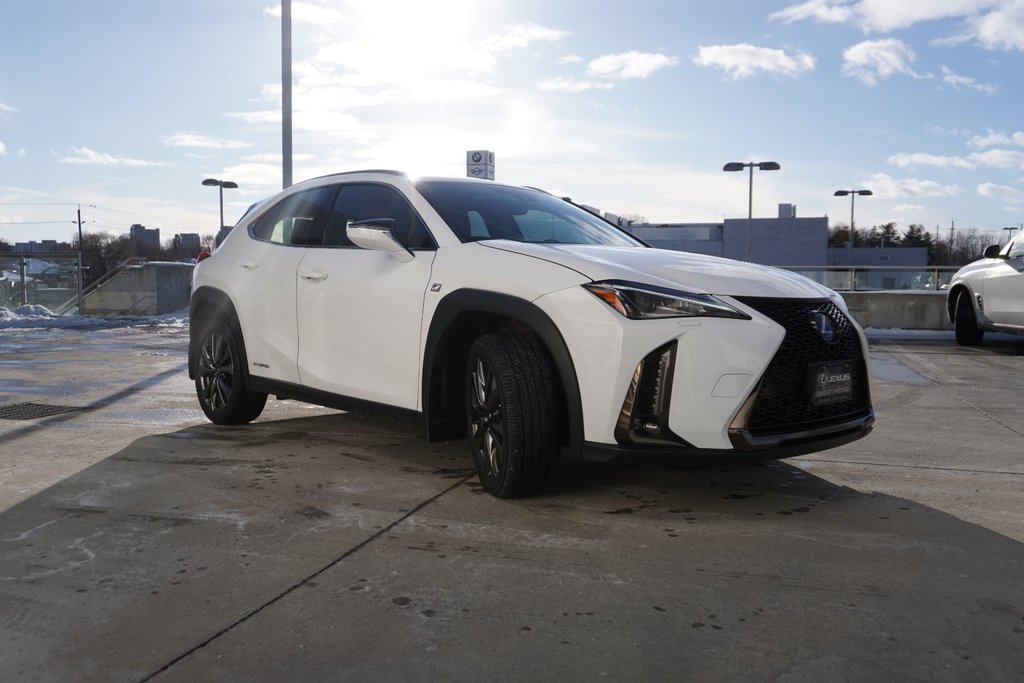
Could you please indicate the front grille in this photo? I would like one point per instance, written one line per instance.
(783, 402)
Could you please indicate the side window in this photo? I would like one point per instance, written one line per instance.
(1017, 250)
(363, 202)
(297, 220)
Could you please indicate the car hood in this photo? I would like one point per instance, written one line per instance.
(674, 269)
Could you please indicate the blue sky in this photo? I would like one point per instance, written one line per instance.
(125, 106)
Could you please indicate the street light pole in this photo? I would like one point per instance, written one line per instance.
(286, 94)
(1011, 229)
(739, 166)
(853, 195)
(213, 182)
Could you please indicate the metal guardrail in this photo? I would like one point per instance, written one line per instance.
(879, 278)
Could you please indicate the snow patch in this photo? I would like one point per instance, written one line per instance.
(33, 316)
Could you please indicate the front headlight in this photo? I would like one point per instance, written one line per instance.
(642, 302)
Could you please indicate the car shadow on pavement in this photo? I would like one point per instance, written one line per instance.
(158, 556)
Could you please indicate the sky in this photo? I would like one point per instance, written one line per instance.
(123, 107)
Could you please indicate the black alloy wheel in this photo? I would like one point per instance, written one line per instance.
(513, 411)
(965, 324)
(220, 381)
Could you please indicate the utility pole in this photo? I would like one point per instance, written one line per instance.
(81, 259)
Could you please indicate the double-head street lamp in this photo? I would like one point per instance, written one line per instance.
(1011, 229)
(760, 165)
(213, 182)
(853, 195)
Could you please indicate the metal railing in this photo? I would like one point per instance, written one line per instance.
(42, 278)
(879, 278)
(73, 304)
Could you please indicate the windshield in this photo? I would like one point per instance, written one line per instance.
(484, 211)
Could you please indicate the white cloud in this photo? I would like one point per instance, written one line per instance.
(1003, 158)
(992, 138)
(629, 65)
(308, 13)
(202, 141)
(887, 15)
(1002, 28)
(873, 60)
(6, 109)
(907, 208)
(570, 59)
(572, 85)
(1002, 192)
(919, 159)
(954, 79)
(84, 155)
(521, 35)
(3, 148)
(884, 16)
(743, 60)
(822, 11)
(887, 187)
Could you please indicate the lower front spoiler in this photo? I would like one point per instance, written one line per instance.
(746, 447)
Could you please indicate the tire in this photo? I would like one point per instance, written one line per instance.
(965, 325)
(513, 410)
(221, 380)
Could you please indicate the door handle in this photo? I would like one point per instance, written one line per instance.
(314, 274)
(249, 264)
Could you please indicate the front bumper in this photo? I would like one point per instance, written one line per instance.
(695, 390)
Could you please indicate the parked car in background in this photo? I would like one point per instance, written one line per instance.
(989, 294)
(524, 322)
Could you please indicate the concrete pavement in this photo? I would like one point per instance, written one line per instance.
(138, 542)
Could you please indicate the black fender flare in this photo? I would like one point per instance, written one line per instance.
(462, 301)
(204, 299)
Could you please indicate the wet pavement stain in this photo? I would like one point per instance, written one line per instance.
(311, 512)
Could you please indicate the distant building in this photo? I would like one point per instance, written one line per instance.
(224, 230)
(140, 233)
(37, 247)
(783, 241)
(190, 241)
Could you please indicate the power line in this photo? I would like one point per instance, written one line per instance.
(2, 223)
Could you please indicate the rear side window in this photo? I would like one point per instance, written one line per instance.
(297, 220)
(360, 202)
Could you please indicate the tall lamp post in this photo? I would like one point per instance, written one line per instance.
(213, 182)
(760, 165)
(1011, 229)
(853, 195)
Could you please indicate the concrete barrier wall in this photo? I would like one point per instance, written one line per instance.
(905, 310)
(150, 289)
(157, 288)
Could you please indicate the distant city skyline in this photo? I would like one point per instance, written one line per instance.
(125, 107)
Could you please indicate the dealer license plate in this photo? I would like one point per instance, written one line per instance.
(831, 383)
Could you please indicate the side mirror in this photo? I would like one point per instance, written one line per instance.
(992, 251)
(378, 234)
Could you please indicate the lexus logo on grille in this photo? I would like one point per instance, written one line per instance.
(824, 325)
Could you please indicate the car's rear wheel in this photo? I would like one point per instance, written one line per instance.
(512, 405)
(220, 378)
(965, 324)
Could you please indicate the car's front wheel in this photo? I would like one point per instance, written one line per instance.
(513, 410)
(965, 324)
(220, 379)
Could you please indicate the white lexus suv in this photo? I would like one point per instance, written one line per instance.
(524, 322)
